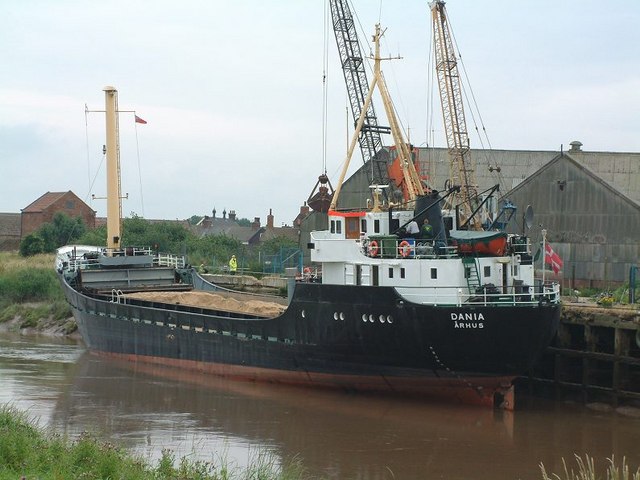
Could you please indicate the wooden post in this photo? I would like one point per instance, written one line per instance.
(622, 344)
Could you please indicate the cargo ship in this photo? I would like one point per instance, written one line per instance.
(377, 311)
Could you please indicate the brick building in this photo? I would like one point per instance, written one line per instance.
(44, 208)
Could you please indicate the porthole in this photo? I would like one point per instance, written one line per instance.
(303, 314)
(364, 317)
(371, 319)
(389, 319)
(381, 318)
(335, 315)
(342, 316)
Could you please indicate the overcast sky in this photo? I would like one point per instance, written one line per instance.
(232, 92)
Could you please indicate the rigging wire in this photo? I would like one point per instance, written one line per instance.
(475, 110)
(135, 125)
(86, 135)
(325, 101)
(430, 107)
(362, 35)
(92, 182)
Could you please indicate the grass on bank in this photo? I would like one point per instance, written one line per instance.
(586, 470)
(28, 451)
(30, 290)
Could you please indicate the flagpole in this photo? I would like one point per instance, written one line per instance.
(544, 254)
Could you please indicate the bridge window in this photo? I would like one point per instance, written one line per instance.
(434, 273)
(391, 272)
(376, 226)
(487, 271)
(363, 226)
(401, 272)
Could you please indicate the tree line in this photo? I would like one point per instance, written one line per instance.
(213, 251)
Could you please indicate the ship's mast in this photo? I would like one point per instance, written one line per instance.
(114, 198)
(411, 178)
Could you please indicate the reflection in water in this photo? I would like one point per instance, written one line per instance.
(337, 435)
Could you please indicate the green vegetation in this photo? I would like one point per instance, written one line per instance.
(172, 237)
(27, 451)
(61, 231)
(31, 291)
(587, 470)
(605, 297)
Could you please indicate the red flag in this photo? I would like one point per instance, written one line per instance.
(552, 258)
(139, 120)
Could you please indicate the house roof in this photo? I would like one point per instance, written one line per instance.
(44, 201)
(287, 232)
(10, 225)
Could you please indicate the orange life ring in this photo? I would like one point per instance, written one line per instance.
(373, 248)
(404, 248)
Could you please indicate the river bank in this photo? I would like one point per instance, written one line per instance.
(29, 451)
(35, 318)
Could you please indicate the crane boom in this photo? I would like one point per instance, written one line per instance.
(462, 168)
(355, 76)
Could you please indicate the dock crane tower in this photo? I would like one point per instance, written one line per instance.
(462, 168)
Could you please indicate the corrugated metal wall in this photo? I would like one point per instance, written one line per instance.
(593, 227)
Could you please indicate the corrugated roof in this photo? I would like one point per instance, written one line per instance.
(621, 170)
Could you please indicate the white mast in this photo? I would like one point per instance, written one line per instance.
(114, 203)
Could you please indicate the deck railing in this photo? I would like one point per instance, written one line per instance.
(548, 293)
(92, 259)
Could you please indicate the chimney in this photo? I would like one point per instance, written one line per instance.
(575, 146)
(270, 220)
(224, 214)
(232, 215)
(206, 221)
(214, 212)
(256, 223)
(304, 213)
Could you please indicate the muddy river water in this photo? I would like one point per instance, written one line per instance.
(334, 434)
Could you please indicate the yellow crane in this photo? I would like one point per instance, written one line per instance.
(461, 167)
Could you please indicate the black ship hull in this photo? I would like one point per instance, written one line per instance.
(351, 337)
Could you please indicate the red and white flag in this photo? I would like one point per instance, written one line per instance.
(139, 120)
(552, 258)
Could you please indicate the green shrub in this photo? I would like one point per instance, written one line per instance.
(31, 245)
(30, 285)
